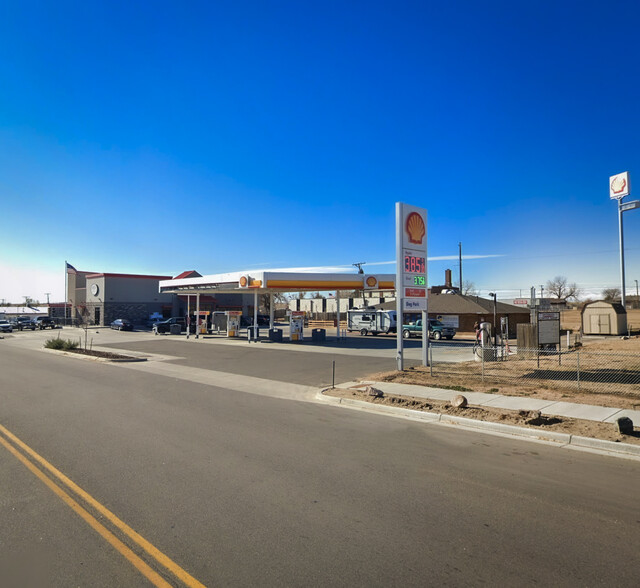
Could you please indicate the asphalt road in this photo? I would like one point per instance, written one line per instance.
(242, 489)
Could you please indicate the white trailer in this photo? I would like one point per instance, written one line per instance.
(371, 321)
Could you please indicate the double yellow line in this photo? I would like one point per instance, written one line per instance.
(67, 489)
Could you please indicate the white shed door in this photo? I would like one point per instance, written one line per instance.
(601, 324)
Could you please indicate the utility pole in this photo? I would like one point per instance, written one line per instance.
(460, 263)
(359, 266)
(47, 294)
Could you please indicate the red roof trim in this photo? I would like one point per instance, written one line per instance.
(188, 274)
(128, 276)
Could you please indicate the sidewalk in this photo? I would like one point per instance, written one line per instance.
(588, 412)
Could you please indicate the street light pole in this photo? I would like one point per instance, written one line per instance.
(495, 327)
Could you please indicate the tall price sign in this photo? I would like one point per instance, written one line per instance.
(411, 270)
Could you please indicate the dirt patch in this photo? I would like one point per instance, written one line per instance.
(617, 344)
(461, 381)
(102, 354)
(522, 418)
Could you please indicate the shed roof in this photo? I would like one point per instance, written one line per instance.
(616, 306)
(461, 304)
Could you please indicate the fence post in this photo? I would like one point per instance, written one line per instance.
(578, 356)
(482, 353)
(431, 360)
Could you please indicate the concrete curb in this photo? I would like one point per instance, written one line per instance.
(563, 440)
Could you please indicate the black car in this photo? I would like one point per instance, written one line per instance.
(165, 326)
(122, 325)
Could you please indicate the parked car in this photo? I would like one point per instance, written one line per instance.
(24, 322)
(6, 326)
(42, 322)
(165, 326)
(122, 325)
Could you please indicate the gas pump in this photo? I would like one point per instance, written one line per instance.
(504, 333)
(296, 326)
(202, 322)
(233, 322)
(484, 350)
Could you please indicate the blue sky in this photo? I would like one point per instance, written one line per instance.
(154, 137)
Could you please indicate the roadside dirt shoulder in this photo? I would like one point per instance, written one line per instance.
(529, 419)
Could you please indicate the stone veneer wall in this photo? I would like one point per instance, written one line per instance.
(137, 312)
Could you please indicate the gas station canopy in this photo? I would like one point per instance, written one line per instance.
(277, 281)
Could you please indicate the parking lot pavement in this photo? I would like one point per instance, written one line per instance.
(263, 361)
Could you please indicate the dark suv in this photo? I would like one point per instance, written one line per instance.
(24, 322)
(42, 322)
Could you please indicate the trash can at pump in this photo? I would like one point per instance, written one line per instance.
(175, 329)
(275, 335)
(319, 335)
(254, 332)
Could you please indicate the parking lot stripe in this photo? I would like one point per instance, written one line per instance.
(154, 552)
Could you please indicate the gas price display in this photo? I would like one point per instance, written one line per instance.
(419, 281)
(414, 265)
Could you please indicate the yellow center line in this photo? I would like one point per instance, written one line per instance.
(153, 551)
(140, 565)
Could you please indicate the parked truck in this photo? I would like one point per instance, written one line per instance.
(371, 321)
(437, 330)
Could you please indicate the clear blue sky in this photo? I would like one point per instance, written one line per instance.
(154, 137)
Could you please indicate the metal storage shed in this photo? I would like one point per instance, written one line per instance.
(604, 318)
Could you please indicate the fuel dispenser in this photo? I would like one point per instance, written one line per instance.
(202, 322)
(296, 326)
(484, 349)
(233, 322)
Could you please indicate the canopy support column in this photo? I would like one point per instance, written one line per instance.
(337, 315)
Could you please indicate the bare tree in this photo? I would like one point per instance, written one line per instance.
(469, 288)
(611, 294)
(560, 288)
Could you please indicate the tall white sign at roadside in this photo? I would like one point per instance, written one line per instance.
(411, 271)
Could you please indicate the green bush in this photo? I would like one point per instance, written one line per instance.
(57, 343)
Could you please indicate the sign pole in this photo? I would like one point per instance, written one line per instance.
(411, 273)
(623, 299)
(399, 287)
(619, 187)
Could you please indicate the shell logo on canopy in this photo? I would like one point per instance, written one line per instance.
(415, 228)
(243, 282)
(371, 282)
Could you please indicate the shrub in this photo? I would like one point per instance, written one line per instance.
(57, 343)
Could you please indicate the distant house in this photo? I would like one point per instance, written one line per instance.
(461, 312)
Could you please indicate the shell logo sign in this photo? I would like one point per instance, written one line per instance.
(243, 282)
(371, 282)
(619, 186)
(415, 228)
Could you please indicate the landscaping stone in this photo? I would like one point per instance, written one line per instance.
(459, 401)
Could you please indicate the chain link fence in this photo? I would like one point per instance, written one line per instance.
(577, 369)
